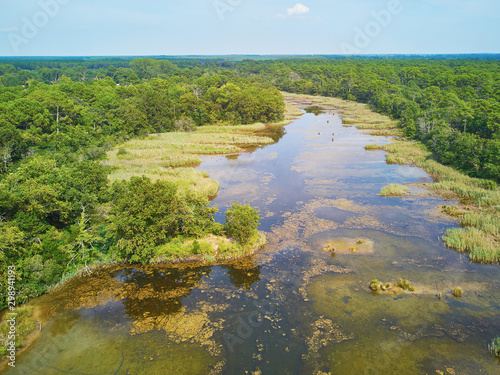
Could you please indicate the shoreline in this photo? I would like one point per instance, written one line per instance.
(478, 205)
(243, 148)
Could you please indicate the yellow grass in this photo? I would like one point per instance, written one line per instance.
(157, 155)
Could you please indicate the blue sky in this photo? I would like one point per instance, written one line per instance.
(214, 27)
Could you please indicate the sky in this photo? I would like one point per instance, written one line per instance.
(262, 27)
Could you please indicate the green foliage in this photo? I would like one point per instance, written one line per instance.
(148, 214)
(184, 124)
(121, 151)
(494, 346)
(242, 222)
(229, 248)
(175, 249)
(405, 285)
(203, 248)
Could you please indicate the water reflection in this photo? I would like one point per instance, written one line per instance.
(157, 291)
(275, 132)
(243, 273)
(316, 109)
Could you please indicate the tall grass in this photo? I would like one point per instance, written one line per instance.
(480, 246)
(186, 177)
(394, 190)
(480, 235)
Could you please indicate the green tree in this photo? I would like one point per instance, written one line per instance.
(147, 214)
(242, 222)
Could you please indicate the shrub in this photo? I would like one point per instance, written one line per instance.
(242, 222)
(457, 292)
(202, 248)
(229, 249)
(185, 124)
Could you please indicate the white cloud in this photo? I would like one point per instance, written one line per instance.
(298, 10)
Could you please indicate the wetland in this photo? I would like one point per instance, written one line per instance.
(303, 304)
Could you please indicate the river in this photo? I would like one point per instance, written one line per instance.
(303, 304)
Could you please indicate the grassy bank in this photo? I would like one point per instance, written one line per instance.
(170, 156)
(479, 210)
(26, 327)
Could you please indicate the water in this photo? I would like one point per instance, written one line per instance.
(294, 308)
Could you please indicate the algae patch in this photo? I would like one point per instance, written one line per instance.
(360, 246)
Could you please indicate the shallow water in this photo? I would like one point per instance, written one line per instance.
(294, 308)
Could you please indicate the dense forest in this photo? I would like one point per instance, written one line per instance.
(58, 118)
(58, 211)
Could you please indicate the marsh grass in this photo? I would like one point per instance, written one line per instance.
(168, 156)
(386, 132)
(371, 147)
(479, 245)
(394, 190)
(186, 177)
(396, 159)
(486, 222)
(480, 235)
(350, 121)
(494, 346)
